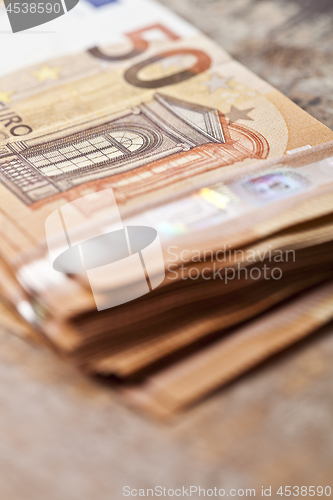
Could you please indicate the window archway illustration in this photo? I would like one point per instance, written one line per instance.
(109, 145)
(156, 136)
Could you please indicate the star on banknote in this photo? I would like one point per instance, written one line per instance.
(239, 114)
(217, 82)
(5, 96)
(45, 73)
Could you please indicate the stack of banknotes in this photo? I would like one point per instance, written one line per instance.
(166, 215)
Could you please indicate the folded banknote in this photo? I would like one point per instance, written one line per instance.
(156, 196)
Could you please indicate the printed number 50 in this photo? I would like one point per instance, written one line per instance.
(140, 45)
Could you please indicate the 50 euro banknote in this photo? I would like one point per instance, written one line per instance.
(153, 118)
(189, 141)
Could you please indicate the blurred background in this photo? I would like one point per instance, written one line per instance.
(289, 43)
(66, 437)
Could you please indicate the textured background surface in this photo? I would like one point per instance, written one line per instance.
(289, 43)
(63, 437)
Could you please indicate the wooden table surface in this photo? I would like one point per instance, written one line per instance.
(65, 437)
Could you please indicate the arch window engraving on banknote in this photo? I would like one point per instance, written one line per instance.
(90, 152)
(153, 137)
